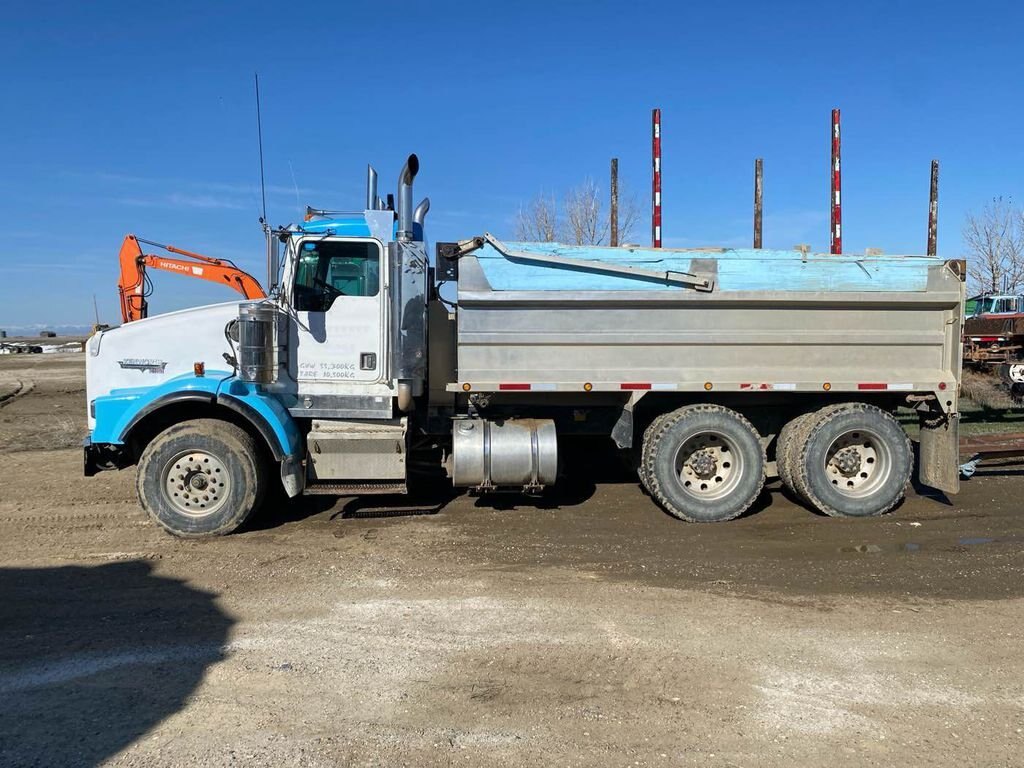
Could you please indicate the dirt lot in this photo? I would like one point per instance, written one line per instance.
(590, 629)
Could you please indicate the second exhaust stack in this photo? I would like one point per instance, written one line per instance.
(405, 209)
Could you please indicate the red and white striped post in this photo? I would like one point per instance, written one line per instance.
(837, 185)
(656, 178)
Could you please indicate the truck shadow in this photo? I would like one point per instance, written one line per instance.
(428, 501)
(582, 471)
(93, 658)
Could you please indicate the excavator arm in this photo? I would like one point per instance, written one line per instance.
(133, 288)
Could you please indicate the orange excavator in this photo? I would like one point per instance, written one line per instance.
(134, 286)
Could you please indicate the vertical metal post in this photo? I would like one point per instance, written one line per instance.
(613, 235)
(837, 185)
(656, 178)
(933, 211)
(758, 202)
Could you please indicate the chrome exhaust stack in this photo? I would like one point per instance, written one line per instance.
(371, 188)
(421, 211)
(405, 210)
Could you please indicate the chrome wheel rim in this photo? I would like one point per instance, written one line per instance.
(708, 466)
(196, 483)
(858, 463)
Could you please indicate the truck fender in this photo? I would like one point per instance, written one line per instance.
(118, 413)
(266, 414)
(258, 422)
(154, 405)
(125, 410)
(285, 443)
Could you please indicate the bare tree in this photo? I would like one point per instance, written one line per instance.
(995, 247)
(538, 222)
(629, 215)
(583, 219)
(585, 222)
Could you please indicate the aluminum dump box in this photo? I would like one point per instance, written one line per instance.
(571, 317)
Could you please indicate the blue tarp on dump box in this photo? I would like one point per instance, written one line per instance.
(733, 270)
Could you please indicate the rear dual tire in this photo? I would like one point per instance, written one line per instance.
(846, 460)
(703, 463)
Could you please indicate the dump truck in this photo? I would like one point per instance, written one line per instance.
(370, 365)
(994, 339)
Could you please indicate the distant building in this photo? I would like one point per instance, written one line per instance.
(48, 334)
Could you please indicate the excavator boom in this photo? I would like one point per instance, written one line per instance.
(133, 288)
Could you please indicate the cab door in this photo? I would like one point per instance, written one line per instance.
(337, 298)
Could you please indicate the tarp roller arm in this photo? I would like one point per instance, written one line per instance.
(672, 277)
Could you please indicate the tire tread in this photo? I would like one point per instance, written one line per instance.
(819, 421)
(217, 429)
(652, 440)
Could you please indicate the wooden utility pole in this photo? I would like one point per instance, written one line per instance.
(613, 237)
(933, 211)
(758, 202)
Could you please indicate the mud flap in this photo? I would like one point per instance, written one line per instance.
(939, 460)
(293, 476)
(622, 432)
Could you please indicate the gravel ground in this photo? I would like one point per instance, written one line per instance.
(585, 629)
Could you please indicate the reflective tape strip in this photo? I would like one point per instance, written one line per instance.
(769, 386)
(685, 386)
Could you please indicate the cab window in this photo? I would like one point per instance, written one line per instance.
(329, 269)
(1005, 305)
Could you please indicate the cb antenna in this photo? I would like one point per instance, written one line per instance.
(259, 134)
(273, 260)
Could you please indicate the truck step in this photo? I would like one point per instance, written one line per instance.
(354, 489)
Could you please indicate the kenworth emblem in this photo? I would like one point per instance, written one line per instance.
(141, 364)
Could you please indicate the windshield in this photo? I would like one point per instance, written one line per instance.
(993, 305)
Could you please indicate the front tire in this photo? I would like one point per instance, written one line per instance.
(703, 463)
(200, 478)
(855, 461)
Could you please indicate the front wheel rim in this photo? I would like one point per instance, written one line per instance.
(858, 463)
(708, 466)
(196, 483)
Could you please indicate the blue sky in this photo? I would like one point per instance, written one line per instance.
(139, 117)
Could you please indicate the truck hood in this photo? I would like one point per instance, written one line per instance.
(148, 352)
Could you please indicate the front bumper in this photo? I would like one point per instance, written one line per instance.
(102, 456)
